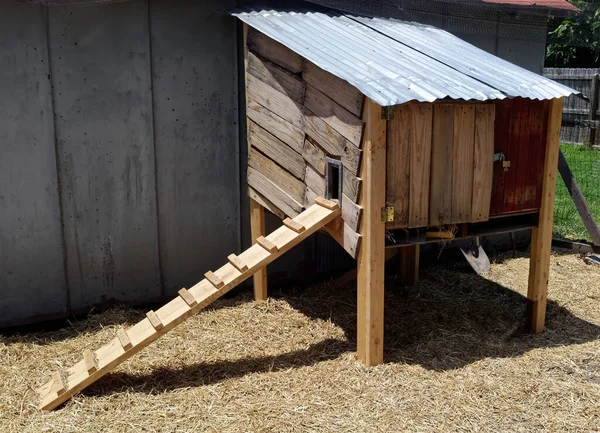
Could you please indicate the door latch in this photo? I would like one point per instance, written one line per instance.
(499, 156)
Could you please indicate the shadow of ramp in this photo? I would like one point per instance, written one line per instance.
(207, 373)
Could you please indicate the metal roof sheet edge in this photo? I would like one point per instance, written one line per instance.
(394, 62)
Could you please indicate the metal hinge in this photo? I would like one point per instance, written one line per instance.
(387, 113)
(387, 214)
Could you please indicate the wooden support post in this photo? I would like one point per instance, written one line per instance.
(371, 254)
(257, 228)
(541, 236)
(409, 264)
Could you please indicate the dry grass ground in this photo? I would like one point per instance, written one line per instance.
(457, 360)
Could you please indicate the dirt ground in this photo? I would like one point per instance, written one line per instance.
(457, 359)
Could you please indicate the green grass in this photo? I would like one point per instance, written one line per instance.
(585, 165)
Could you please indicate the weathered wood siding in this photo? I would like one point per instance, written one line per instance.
(297, 115)
(520, 134)
(439, 163)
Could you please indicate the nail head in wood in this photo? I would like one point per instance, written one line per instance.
(59, 383)
(154, 320)
(124, 340)
(237, 263)
(267, 244)
(188, 297)
(90, 361)
(293, 225)
(328, 204)
(214, 280)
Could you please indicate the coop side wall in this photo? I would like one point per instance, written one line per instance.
(439, 163)
(297, 116)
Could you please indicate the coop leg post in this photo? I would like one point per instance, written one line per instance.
(257, 229)
(541, 237)
(409, 264)
(371, 256)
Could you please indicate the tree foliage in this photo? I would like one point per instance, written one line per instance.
(575, 41)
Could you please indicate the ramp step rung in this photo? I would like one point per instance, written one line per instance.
(237, 263)
(59, 383)
(328, 204)
(293, 225)
(95, 364)
(154, 320)
(90, 361)
(214, 280)
(124, 339)
(188, 297)
(267, 244)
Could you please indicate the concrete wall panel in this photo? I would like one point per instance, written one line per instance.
(31, 256)
(101, 75)
(196, 126)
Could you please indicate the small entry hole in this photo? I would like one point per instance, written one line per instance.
(334, 179)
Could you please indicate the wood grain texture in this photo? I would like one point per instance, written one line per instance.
(371, 254)
(512, 153)
(420, 164)
(483, 165)
(337, 89)
(277, 77)
(398, 164)
(264, 202)
(272, 50)
(315, 181)
(272, 192)
(187, 297)
(309, 197)
(336, 116)
(462, 163)
(351, 186)
(351, 213)
(440, 204)
(537, 144)
(276, 150)
(348, 239)
(524, 147)
(332, 142)
(177, 310)
(277, 102)
(293, 225)
(541, 236)
(314, 155)
(501, 126)
(277, 126)
(274, 172)
(258, 230)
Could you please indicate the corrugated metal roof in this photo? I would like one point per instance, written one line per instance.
(550, 4)
(393, 62)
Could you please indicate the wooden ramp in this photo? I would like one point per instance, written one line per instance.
(94, 365)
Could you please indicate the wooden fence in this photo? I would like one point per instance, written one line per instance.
(581, 119)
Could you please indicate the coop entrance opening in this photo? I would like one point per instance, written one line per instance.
(334, 179)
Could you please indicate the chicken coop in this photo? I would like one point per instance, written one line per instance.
(386, 135)
(420, 137)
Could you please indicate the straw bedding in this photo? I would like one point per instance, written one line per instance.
(457, 359)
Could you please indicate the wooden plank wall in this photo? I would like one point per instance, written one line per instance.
(520, 134)
(439, 163)
(297, 115)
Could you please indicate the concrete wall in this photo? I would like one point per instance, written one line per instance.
(122, 156)
(119, 165)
